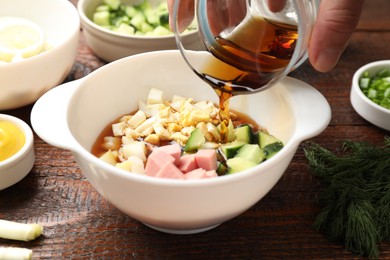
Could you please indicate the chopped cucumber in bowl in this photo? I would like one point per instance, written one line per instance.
(247, 149)
(143, 19)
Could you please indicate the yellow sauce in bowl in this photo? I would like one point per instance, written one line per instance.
(12, 139)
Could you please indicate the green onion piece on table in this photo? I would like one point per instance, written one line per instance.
(19, 231)
(15, 253)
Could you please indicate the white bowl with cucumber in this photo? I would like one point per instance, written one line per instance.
(114, 29)
(38, 45)
(291, 111)
(370, 93)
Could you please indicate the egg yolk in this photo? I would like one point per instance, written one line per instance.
(12, 139)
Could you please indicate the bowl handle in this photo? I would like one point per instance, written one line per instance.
(313, 108)
(49, 116)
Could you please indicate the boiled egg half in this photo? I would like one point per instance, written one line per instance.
(20, 38)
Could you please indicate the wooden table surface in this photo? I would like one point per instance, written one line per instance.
(79, 223)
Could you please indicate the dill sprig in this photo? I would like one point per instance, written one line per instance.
(356, 197)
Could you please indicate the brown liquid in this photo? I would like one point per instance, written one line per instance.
(98, 148)
(247, 60)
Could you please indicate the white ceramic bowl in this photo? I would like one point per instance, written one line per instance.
(71, 116)
(110, 46)
(23, 82)
(16, 167)
(366, 108)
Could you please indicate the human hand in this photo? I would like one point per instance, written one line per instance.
(336, 22)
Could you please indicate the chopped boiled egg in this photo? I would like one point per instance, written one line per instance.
(19, 39)
(155, 96)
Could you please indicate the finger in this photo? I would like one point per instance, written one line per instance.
(237, 11)
(223, 14)
(337, 20)
(185, 15)
(276, 5)
(217, 15)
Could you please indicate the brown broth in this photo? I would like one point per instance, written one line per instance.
(237, 118)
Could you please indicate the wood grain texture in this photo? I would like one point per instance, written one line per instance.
(80, 224)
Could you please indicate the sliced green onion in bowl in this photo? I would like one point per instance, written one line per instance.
(376, 86)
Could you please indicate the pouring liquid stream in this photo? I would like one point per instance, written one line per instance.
(247, 60)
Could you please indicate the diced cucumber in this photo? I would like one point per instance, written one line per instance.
(113, 4)
(238, 164)
(117, 21)
(144, 5)
(146, 28)
(152, 16)
(138, 20)
(130, 11)
(164, 18)
(160, 30)
(195, 141)
(265, 139)
(251, 152)
(102, 18)
(269, 143)
(162, 6)
(103, 8)
(244, 133)
(271, 149)
(221, 169)
(230, 149)
(125, 29)
(146, 18)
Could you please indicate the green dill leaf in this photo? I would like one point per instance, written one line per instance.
(361, 234)
(356, 195)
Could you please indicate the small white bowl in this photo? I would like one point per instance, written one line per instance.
(366, 108)
(110, 46)
(16, 167)
(72, 116)
(23, 82)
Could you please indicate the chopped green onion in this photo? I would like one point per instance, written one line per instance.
(387, 93)
(19, 231)
(372, 93)
(17, 253)
(377, 86)
(364, 82)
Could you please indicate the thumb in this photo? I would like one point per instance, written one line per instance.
(336, 22)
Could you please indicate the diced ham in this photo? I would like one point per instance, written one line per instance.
(196, 174)
(211, 174)
(172, 149)
(200, 173)
(169, 170)
(206, 159)
(167, 162)
(156, 160)
(187, 163)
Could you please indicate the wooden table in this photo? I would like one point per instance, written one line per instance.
(79, 223)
